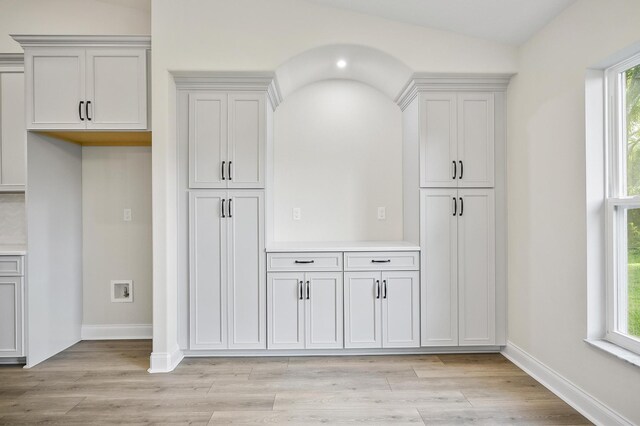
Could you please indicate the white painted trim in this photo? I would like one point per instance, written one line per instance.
(583, 402)
(29, 40)
(12, 62)
(420, 82)
(342, 352)
(231, 80)
(165, 362)
(116, 331)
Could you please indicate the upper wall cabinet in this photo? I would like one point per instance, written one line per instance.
(456, 140)
(12, 130)
(227, 140)
(86, 83)
(229, 119)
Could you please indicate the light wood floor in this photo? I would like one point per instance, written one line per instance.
(107, 382)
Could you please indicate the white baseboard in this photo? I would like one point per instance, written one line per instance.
(583, 402)
(165, 362)
(116, 331)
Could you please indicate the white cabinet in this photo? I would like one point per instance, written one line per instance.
(13, 134)
(11, 317)
(304, 310)
(227, 133)
(381, 309)
(456, 140)
(227, 288)
(93, 82)
(458, 267)
(116, 89)
(11, 306)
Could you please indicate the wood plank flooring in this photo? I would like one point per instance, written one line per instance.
(102, 382)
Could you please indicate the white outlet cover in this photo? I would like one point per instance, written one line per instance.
(297, 214)
(382, 213)
(127, 215)
(122, 291)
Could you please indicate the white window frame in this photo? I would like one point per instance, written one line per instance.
(616, 204)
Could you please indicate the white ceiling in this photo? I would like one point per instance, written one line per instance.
(505, 21)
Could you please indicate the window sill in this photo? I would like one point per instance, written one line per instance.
(615, 350)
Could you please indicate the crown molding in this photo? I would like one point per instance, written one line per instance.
(11, 62)
(423, 82)
(30, 40)
(228, 80)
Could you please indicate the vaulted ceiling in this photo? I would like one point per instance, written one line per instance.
(506, 21)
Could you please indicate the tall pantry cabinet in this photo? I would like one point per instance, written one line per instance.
(228, 123)
(453, 163)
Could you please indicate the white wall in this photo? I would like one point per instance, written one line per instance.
(338, 157)
(261, 35)
(546, 198)
(113, 179)
(54, 258)
(70, 17)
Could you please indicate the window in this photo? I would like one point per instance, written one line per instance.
(623, 204)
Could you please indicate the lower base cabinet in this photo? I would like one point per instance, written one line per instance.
(304, 310)
(11, 317)
(382, 309)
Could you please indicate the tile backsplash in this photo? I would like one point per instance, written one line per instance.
(13, 220)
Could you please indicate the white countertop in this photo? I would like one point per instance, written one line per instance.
(322, 246)
(13, 250)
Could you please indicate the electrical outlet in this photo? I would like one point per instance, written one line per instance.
(127, 215)
(297, 214)
(382, 213)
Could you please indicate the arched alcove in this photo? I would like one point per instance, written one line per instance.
(364, 64)
(338, 146)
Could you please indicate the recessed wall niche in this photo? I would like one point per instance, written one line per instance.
(337, 157)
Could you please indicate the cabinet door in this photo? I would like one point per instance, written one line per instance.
(55, 88)
(11, 330)
(13, 136)
(324, 310)
(247, 293)
(362, 321)
(247, 129)
(439, 269)
(400, 309)
(476, 267)
(117, 89)
(285, 310)
(208, 140)
(208, 275)
(438, 140)
(475, 140)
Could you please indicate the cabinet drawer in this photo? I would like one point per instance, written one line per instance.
(304, 261)
(11, 266)
(393, 261)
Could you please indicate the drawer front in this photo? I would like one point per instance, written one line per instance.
(390, 261)
(304, 262)
(11, 266)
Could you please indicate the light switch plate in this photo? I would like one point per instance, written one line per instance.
(127, 215)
